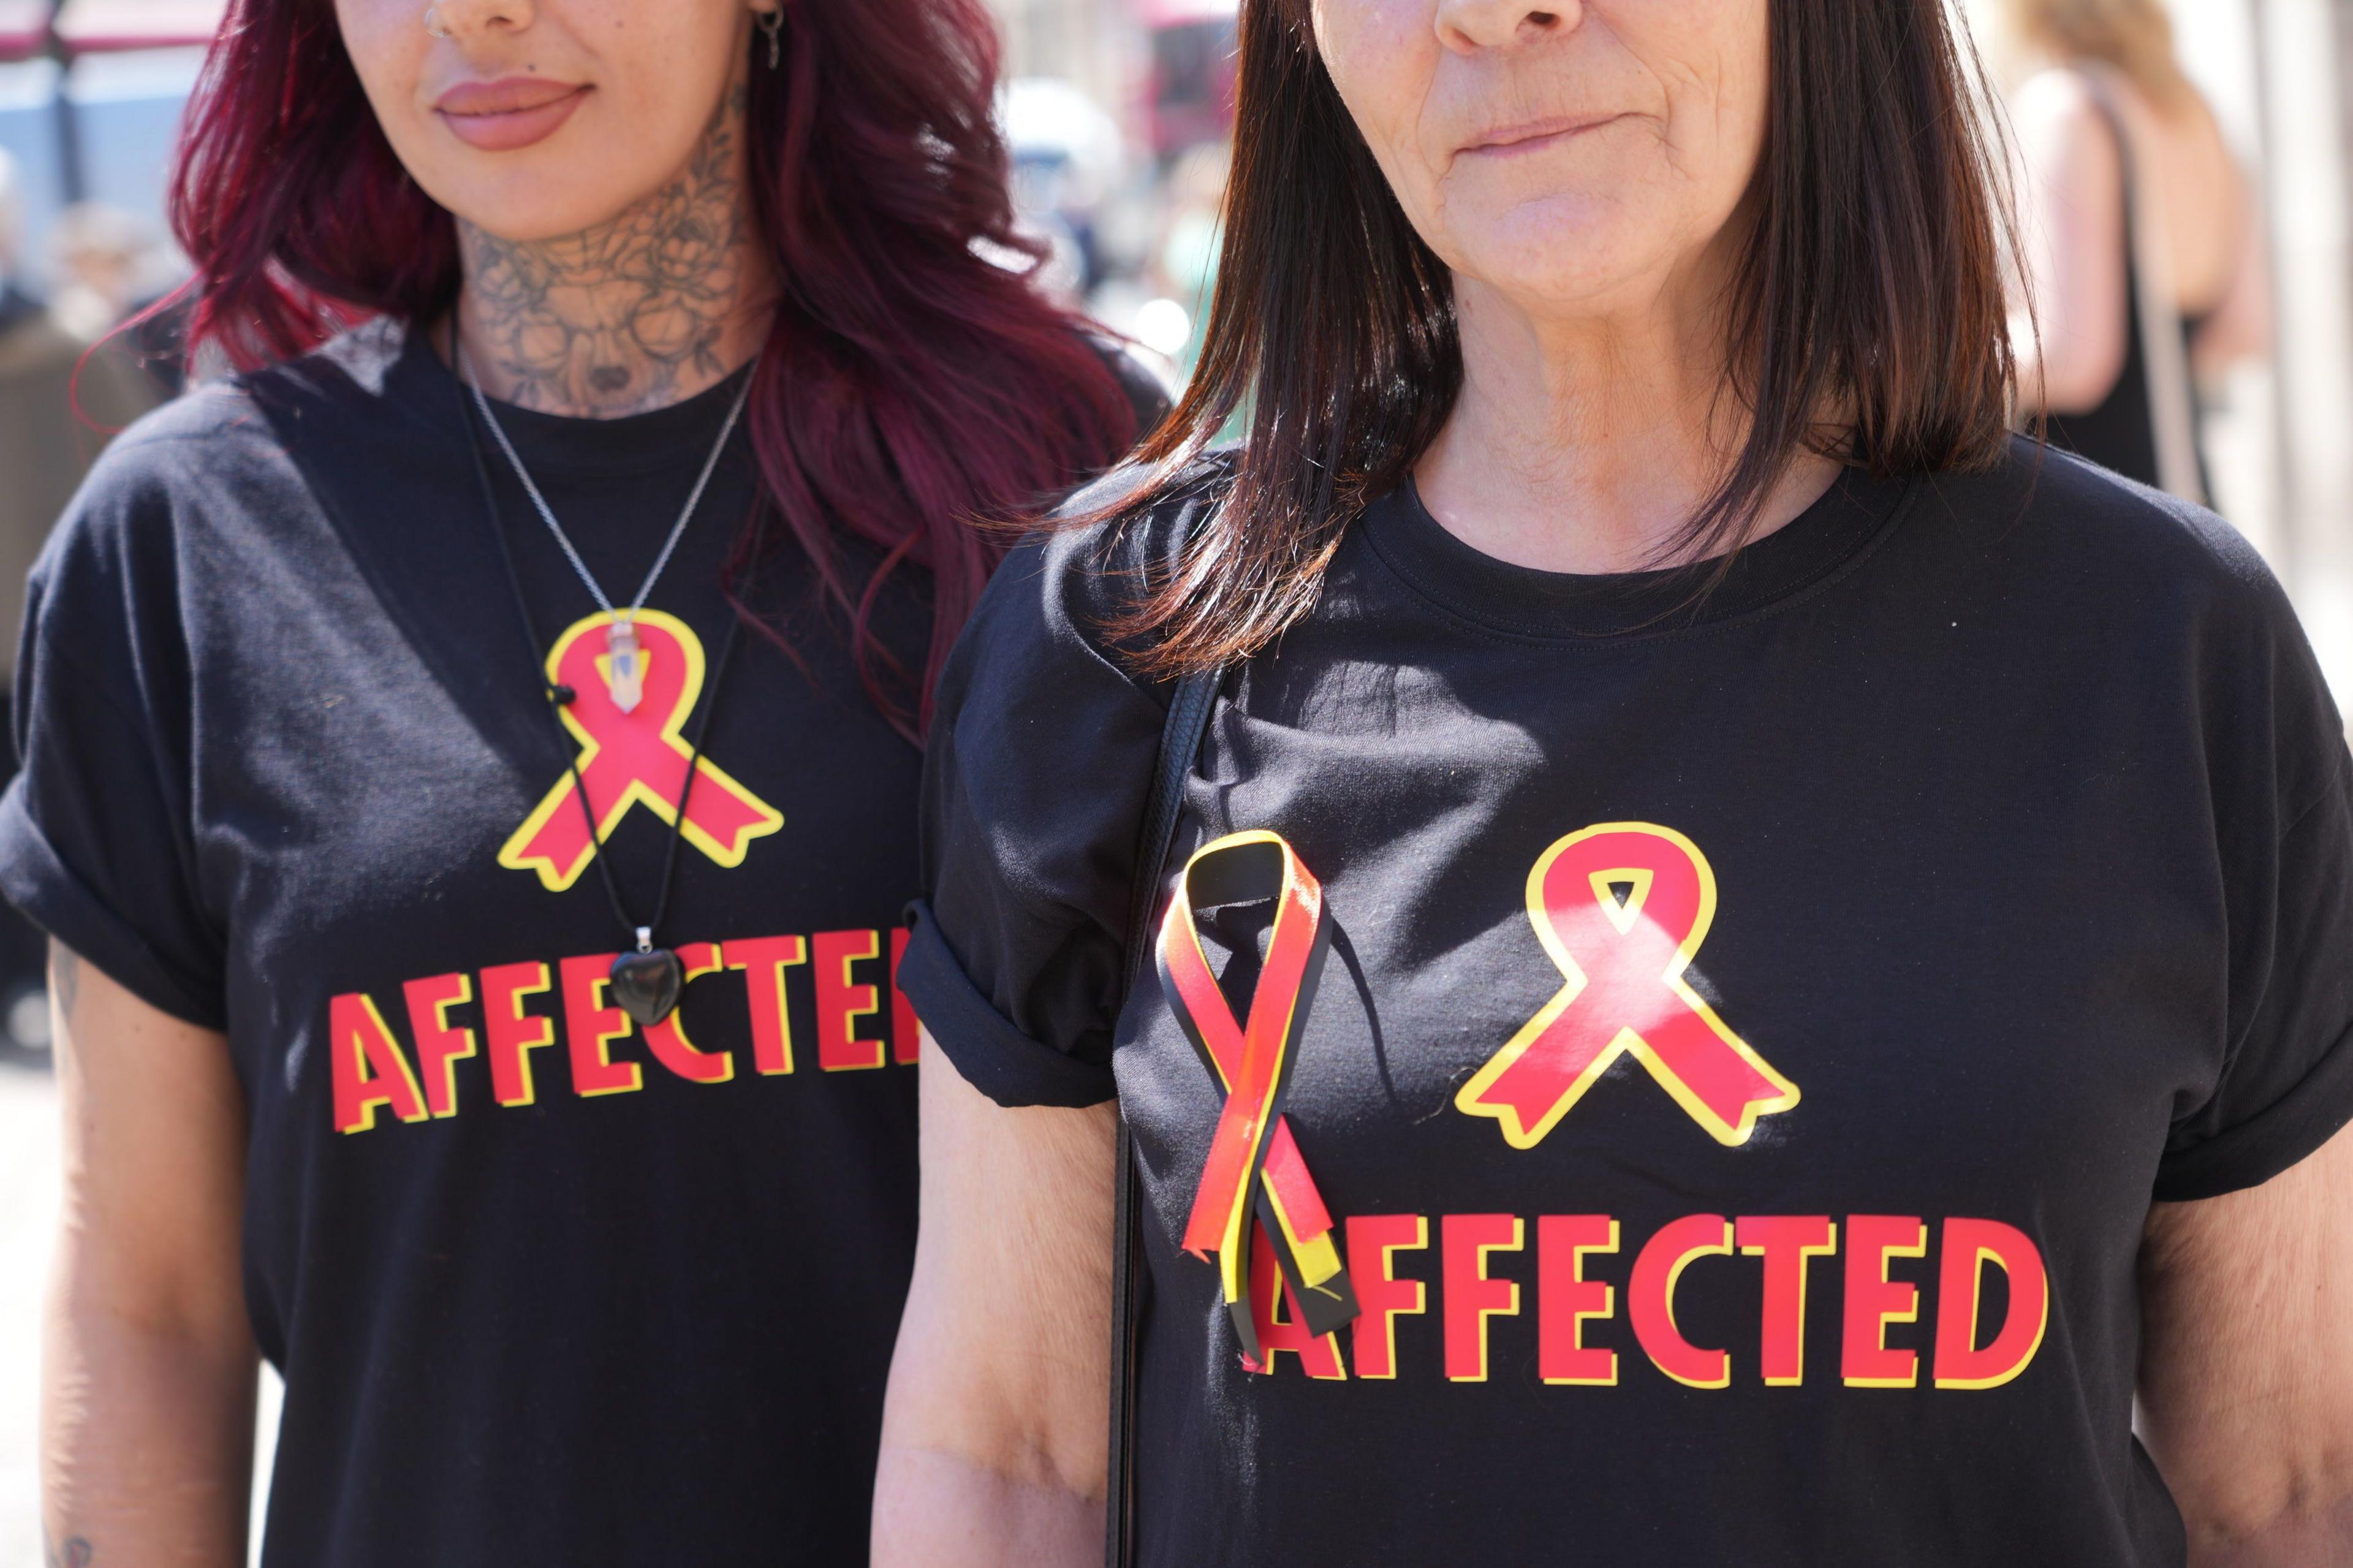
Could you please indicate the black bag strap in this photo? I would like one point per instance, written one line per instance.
(1180, 743)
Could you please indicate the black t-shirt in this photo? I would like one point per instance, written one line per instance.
(546, 1287)
(1751, 1036)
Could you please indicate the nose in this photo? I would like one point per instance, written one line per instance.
(1469, 26)
(471, 18)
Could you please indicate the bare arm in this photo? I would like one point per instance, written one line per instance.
(2073, 217)
(994, 1432)
(147, 1376)
(2247, 1366)
(2240, 328)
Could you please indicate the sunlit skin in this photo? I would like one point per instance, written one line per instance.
(1578, 168)
(594, 155)
(1581, 169)
(650, 76)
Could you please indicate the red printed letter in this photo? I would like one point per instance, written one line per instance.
(764, 960)
(841, 1001)
(590, 1028)
(369, 1069)
(1319, 1357)
(1471, 1296)
(1565, 1298)
(439, 1046)
(1786, 1243)
(1873, 1300)
(667, 1039)
(1374, 1241)
(513, 1033)
(1650, 1298)
(1969, 1245)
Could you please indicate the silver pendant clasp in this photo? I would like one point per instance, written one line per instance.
(625, 666)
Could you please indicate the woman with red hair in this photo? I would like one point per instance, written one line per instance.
(470, 767)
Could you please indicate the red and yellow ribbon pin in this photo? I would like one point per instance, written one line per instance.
(1622, 909)
(1254, 1165)
(637, 758)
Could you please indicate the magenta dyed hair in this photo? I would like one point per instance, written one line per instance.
(910, 388)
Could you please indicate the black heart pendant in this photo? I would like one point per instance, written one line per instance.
(647, 984)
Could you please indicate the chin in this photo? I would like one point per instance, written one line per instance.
(1561, 250)
(573, 180)
(528, 207)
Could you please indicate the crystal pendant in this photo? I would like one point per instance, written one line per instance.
(646, 984)
(625, 666)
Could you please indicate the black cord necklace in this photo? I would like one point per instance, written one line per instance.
(647, 980)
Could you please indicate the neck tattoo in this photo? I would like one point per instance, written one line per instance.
(630, 315)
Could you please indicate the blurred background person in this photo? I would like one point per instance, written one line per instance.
(116, 282)
(47, 443)
(14, 303)
(1069, 160)
(103, 259)
(1118, 113)
(2143, 251)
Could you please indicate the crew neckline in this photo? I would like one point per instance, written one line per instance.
(677, 435)
(1856, 510)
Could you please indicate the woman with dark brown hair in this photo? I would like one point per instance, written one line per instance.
(1755, 964)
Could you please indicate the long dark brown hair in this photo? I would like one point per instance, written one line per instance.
(1872, 288)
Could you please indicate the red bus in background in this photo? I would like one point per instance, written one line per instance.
(1190, 98)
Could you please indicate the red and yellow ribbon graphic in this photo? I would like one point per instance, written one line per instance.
(637, 758)
(1254, 1165)
(1622, 908)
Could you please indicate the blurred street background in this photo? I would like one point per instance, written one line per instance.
(1117, 112)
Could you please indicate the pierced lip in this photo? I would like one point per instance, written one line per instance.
(1527, 133)
(509, 95)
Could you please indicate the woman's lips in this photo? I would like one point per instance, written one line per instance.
(500, 116)
(1537, 134)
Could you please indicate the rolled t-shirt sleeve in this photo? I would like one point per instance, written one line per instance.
(1041, 754)
(96, 846)
(2283, 801)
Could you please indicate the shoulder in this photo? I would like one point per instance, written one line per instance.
(1044, 645)
(2063, 122)
(2055, 94)
(239, 418)
(208, 474)
(2121, 583)
(2058, 517)
(182, 462)
(2057, 104)
(221, 437)
(1146, 393)
(1076, 576)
